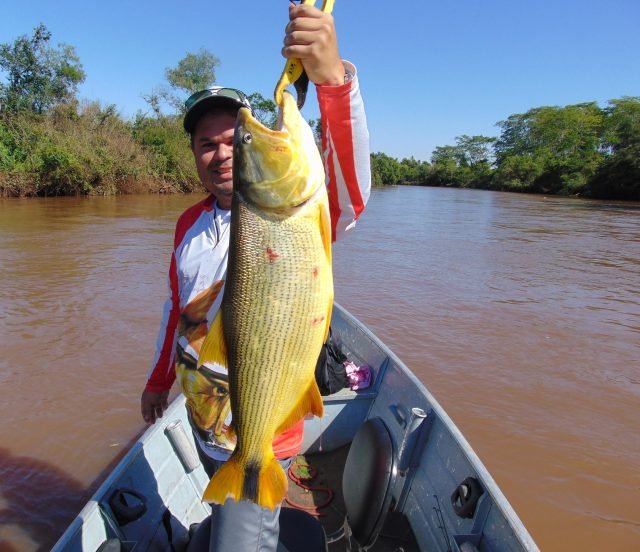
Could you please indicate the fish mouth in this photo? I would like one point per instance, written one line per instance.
(287, 125)
(279, 168)
(250, 124)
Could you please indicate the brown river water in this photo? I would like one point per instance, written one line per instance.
(520, 313)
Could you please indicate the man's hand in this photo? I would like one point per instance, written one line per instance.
(152, 405)
(311, 37)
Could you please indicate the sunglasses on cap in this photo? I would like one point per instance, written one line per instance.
(231, 93)
(196, 103)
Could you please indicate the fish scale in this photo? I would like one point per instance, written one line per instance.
(288, 284)
(282, 291)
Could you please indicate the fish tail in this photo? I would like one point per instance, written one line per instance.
(226, 482)
(272, 484)
(263, 483)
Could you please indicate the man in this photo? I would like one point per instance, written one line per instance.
(199, 260)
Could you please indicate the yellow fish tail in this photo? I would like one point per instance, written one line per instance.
(263, 483)
(272, 484)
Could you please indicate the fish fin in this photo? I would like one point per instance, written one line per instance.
(226, 482)
(214, 348)
(272, 484)
(328, 319)
(325, 232)
(265, 484)
(310, 403)
(325, 229)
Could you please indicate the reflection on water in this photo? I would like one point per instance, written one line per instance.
(26, 484)
(521, 314)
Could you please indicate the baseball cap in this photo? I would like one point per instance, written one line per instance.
(204, 100)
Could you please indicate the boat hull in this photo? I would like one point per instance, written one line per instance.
(432, 456)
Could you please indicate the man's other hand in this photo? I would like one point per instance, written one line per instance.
(153, 404)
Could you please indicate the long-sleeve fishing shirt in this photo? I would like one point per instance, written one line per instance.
(199, 264)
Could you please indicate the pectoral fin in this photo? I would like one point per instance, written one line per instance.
(324, 217)
(309, 403)
(214, 348)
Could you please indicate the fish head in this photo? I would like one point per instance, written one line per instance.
(280, 168)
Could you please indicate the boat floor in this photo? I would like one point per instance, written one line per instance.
(396, 533)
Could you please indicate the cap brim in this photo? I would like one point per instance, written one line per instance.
(197, 110)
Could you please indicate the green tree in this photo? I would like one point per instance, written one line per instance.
(409, 171)
(517, 173)
(385, 170)
(168, 145)
(515, 137)
(316, 128)
(194, 72)
(559, 132)
(475, 150)
(565, 141)
(443, 155)
(264, 109)
(618, 177)
(465, 165)
(37, 75)
(622, 124)
(445, 164)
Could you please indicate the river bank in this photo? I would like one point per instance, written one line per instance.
(74, 149)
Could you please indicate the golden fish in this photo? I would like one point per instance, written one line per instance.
(277, 301)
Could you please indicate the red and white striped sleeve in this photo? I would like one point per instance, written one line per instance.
(162, 373)
(345, 147)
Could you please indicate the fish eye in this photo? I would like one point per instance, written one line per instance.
(246, 137)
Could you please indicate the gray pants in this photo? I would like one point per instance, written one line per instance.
(241, 526)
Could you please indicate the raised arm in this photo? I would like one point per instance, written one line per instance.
(311, 37)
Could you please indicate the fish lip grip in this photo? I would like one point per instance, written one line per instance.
(293, 72)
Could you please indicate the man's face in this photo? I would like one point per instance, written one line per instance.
(213, 152)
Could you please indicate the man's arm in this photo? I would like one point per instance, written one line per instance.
(153, 401)
(345, 147)
(311, 37)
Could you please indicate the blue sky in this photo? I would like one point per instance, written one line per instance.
(429, 71)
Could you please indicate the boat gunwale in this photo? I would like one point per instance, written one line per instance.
(499, 499)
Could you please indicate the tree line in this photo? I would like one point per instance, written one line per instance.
(580, 149)
(53, 144)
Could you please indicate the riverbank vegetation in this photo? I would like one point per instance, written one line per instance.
(53, 144)
(578, 149)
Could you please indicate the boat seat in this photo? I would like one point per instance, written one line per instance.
(367, 482)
